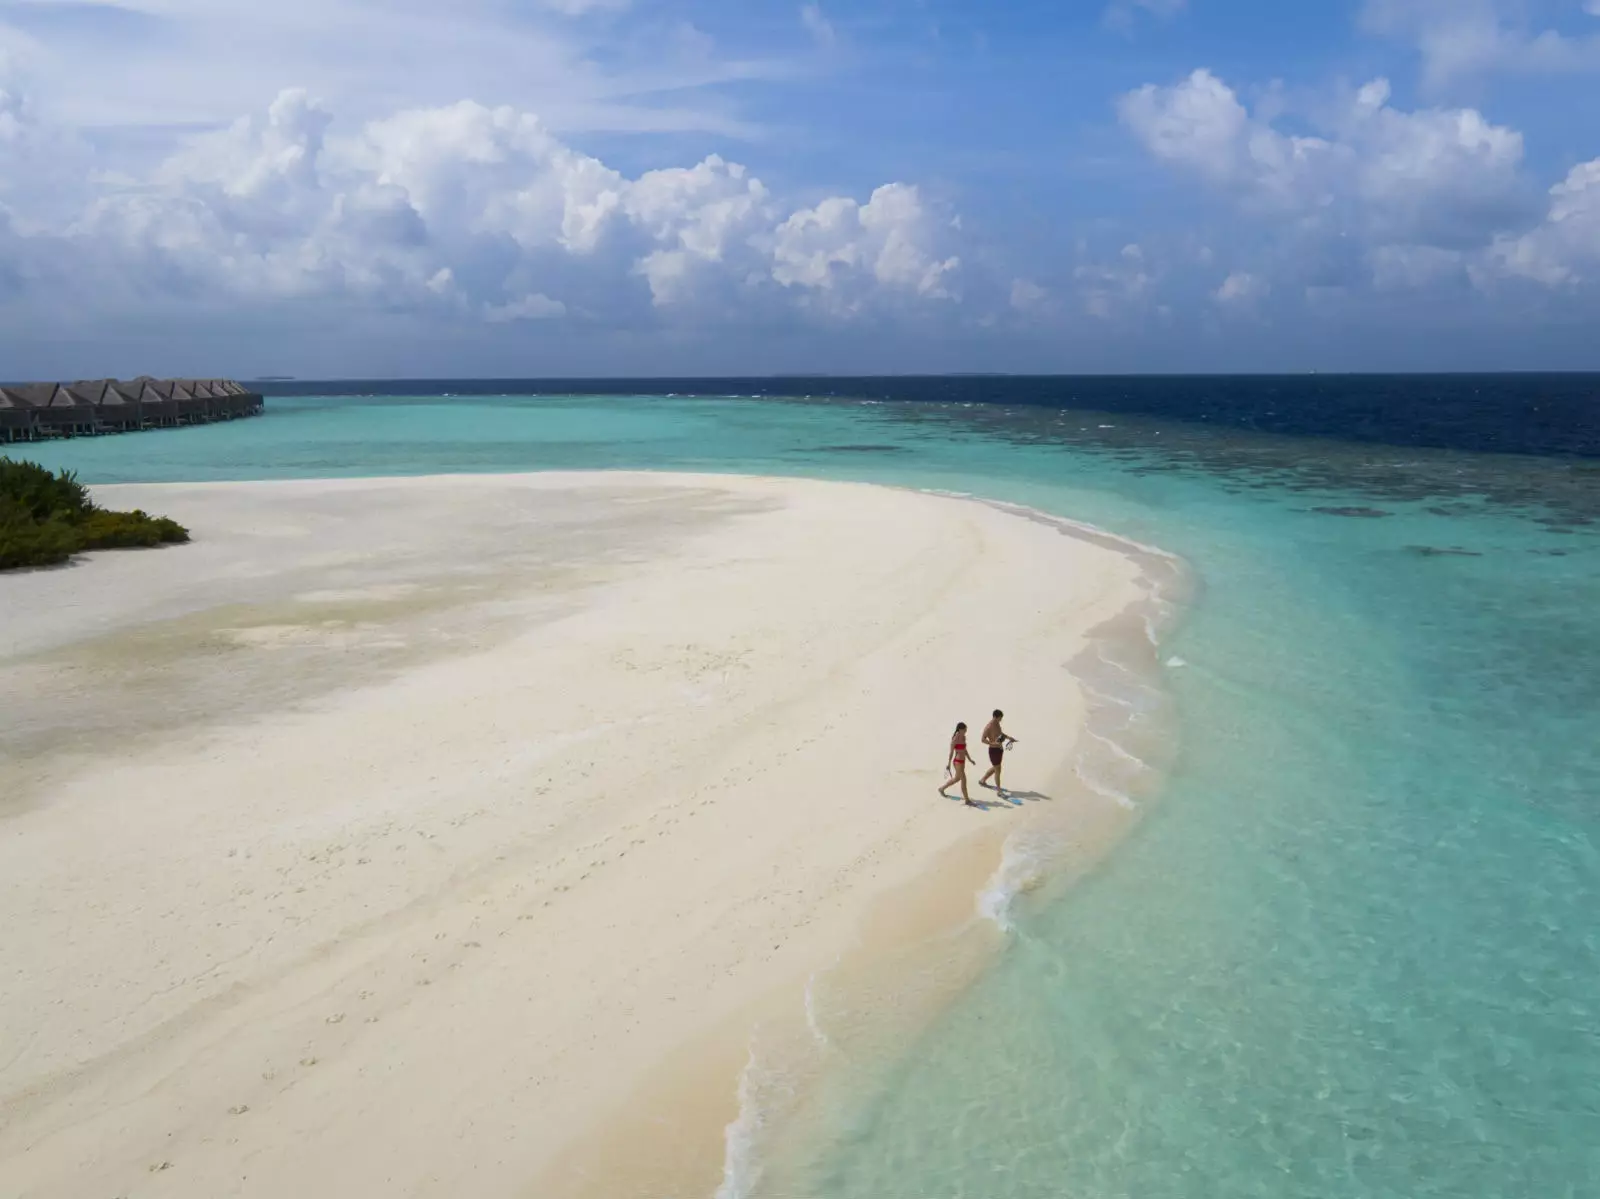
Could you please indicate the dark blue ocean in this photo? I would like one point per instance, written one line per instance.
(1556, 414)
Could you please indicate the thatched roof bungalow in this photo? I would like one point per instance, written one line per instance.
(19, 416)
(29, 410)
(191, 407)
(65, 412)
(114, 410)
(154, 409)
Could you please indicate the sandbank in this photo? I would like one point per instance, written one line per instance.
(434, 837)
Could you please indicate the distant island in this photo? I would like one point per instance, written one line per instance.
(274, 379)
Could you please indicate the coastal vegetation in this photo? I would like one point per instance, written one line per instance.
(46, 518)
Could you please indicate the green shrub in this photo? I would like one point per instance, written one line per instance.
(46, 518)
(42, 493)
(103, 530)
(28, 542)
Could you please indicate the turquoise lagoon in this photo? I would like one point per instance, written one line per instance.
(1353, 952)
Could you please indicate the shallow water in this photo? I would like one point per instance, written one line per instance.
(1355, 948)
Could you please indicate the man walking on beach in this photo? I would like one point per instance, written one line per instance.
(994, 737)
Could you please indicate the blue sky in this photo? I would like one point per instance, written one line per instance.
(526, 187)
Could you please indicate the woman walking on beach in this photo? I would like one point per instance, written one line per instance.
(956, 766)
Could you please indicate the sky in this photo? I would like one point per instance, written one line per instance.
(409, 188)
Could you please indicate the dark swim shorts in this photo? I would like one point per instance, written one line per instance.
(995, 754)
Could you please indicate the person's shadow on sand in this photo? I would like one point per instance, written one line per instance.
(1011, 799)
(1020, 797)
(983, 805)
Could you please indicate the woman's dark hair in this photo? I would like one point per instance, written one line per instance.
(961, 726)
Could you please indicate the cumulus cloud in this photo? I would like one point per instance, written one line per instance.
(1241, 289)
(1363, 194)
(1567, 242)
(839, 250)
(1108, 288)
(534, 307)
(1200, 123)
(1459, 39)
(1413, 268)
(42, 165)
(1027, 296)
(701, 220)
(483, 213)
(14, 116)
(1432, 176)
(259, 209)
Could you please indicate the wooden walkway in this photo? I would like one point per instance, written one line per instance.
(33, 411)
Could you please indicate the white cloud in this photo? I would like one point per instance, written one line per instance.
(1413, 268)
(697, 217)
(1458, 39)
(469, 168)
(1200, 123)
(1028, 296)
(1395, 199)
(480, 212)
(43, 167)
(817, 24)
(1110, 287)
(1431, 176)
(832, 249)
(271, 157)
(15, 119)
(1241, 289)
(532, 307)
(1567, 241)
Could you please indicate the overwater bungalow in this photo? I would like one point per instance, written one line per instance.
(120, 406)
(92, 406)
(66, 413)
(19, 420)
(110, 411)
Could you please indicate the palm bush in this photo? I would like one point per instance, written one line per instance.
(46, 518)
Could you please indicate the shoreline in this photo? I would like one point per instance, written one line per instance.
(702, 537)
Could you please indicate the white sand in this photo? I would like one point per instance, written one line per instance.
(389, 838)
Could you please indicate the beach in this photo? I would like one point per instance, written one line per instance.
(454, 835)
